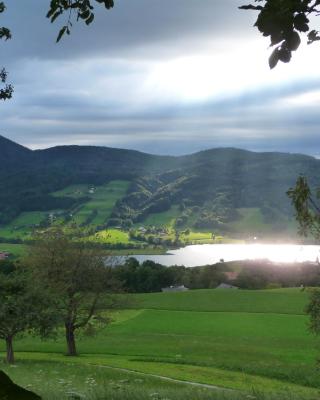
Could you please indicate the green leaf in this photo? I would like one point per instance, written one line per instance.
(61, 33)
(293, 41)
(90, 19)
(274, 58)
(85, 14)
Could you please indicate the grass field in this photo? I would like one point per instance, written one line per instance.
(277, 301)
(165, 218)
(253, 223)
(61, 378)
(17, 250)
(22, 226)
(112, 236)
(241, 340)
(102, 200)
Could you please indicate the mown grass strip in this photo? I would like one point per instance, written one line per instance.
(205, 375)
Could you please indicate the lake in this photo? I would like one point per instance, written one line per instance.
(196, 255)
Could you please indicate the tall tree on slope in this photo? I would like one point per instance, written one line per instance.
(76, 278)
(22, 307)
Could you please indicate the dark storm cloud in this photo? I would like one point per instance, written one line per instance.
(132, 28)
(258, 121)
(109, 84)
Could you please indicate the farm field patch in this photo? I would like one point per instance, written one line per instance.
(22, 226)
(98, 209)
(235, 339)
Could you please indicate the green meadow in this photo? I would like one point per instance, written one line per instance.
(112, 236)
(165, 218)
(248, 341)
(252, 222)
(102, 200)
(22, 226)
(17, 250)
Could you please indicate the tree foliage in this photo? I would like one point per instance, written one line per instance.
(22, 307)
(313, 309)
(307, 210)
(6, 90)
(284, 21)
(306, 207)
(76, 278)
(82, 10)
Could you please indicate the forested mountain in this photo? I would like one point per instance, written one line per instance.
(208, 187)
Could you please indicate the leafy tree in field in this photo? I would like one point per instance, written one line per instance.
(76, 278)
(22, 308)
(284, 21)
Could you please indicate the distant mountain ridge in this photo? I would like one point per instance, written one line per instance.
(208, 187)
(12, 152)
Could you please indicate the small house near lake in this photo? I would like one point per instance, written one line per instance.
(226, 286)
(180, 288)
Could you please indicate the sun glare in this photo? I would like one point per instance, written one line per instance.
(200, 77)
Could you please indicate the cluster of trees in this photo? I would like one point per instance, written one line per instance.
(60, 283)
(149, 276)
(144, 278)
(264, 274)
(152, 277)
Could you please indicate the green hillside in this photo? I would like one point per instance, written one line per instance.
(244, 340)
(280, 301)
(100, 201)
(225, 192)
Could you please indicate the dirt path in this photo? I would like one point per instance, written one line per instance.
(165, 378)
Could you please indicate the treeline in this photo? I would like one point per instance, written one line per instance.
(149, 276)
(265, 274)
(152, 277)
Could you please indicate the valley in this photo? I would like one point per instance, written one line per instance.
(129, 201)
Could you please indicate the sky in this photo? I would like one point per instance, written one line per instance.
(160, 76)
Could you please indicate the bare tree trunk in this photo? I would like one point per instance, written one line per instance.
(10, 353)
(71, 342)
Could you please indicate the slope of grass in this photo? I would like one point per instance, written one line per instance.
(253, 223)
(74, 191)
(235, 339)
(59, 378)
(112, 236)
(102, 201)
(165, 218)
(22, 226)
(281, 301)
(92, 377)
(17, 250)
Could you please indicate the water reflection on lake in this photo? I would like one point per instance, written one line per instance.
(195, 255)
